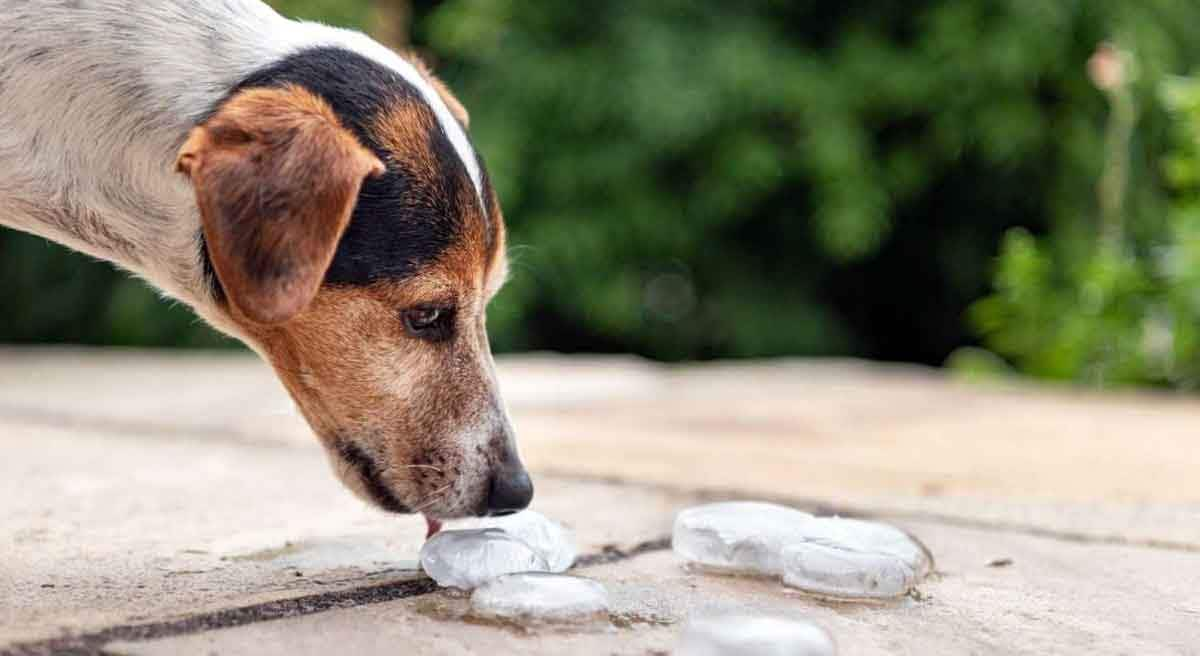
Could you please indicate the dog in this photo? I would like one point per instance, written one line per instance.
(305, 190)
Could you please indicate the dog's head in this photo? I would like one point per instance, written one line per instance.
(357, 242)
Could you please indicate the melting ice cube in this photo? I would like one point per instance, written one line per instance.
(465, 559)
(537, 597)
(832, 571)
(854, 559)
(555, 542)
(742, 537)
(828, 556)
(748, 635)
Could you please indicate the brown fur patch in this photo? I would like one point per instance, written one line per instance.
(496, 266)
(276, 179)
(405, 131)
(404, 402)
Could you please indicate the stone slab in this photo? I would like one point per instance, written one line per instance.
(143, 487)
(1054, 598)
(103, 529)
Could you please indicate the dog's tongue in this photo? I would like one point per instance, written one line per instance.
(432, 526)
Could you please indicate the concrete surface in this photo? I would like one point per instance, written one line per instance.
(164, 503)
(971, 608)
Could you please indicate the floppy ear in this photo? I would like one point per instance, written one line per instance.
(276, 179)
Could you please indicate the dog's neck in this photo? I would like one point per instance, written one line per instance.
(97, 98)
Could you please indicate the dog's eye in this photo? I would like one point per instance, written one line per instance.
(431, 323)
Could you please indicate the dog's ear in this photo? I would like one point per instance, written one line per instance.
(276, 179)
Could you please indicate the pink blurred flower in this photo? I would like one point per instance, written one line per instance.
(1106, 67)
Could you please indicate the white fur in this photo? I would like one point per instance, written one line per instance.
(96, 97)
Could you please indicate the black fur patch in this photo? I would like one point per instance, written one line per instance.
(210, 272)
(399, 223)
(368, 471)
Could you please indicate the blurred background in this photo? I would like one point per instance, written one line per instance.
(999, 186)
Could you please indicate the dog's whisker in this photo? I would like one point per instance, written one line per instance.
(436, 469)
(390, 467)
(431, 498)
(436, 492)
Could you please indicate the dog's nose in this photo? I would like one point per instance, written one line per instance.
(510, 490)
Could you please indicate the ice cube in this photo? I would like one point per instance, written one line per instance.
(832, 572)
(467, 558)
(738, 537)
(854, 559)
(828, 556)
(748, 635)
(555, 542)
(537, 597)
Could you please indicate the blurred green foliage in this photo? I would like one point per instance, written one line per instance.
(703, 179)
(1121, 306)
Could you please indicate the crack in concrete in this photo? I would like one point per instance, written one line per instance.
(824, 507)
(93, 643)
(612, 553)
(1076, 537)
